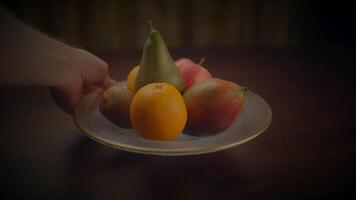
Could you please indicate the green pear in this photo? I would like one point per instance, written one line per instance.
(157, 64)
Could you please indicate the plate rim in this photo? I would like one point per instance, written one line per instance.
(171, 152)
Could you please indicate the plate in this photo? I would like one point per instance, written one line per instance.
(254, 118)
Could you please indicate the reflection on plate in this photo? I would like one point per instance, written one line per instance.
(254, 118)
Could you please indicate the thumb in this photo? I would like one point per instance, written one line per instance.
(106, 82)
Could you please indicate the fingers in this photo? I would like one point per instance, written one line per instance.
(88, 88)
(92, 75)
(95, 70)
(66, 98)
(106, 82)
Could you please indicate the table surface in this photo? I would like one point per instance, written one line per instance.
(307, 152)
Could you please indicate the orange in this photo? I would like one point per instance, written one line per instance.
(158, 112)
(131, 78)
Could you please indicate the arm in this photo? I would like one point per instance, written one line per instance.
(30, 58)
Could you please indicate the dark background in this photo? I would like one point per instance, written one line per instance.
(114, 25)
(298, 55)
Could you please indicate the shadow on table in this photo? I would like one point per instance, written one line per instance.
(97, 171)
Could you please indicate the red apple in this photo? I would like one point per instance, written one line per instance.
(183, 61)
(191, 72)
(213, 105)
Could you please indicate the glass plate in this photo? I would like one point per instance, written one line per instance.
(254, 118)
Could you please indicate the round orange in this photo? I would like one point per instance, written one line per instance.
(131, 78)
(158, 112)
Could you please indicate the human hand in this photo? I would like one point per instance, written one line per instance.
(30, 58)
(87, 73)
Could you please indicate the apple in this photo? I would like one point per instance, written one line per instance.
(191, 72)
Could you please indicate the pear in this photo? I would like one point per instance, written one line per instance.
(115, 105)
(157, 64)
(213, 105)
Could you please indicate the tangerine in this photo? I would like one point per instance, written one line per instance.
(131, 78)
(158, 111)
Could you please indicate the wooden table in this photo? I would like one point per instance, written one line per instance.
(308, 151)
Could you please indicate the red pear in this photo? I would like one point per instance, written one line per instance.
(213, 105)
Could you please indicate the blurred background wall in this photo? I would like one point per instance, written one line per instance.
(107, 25)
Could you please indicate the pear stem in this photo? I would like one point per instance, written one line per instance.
(151, 25)
(202, 60)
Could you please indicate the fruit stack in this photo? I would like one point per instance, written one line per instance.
(163, 97)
